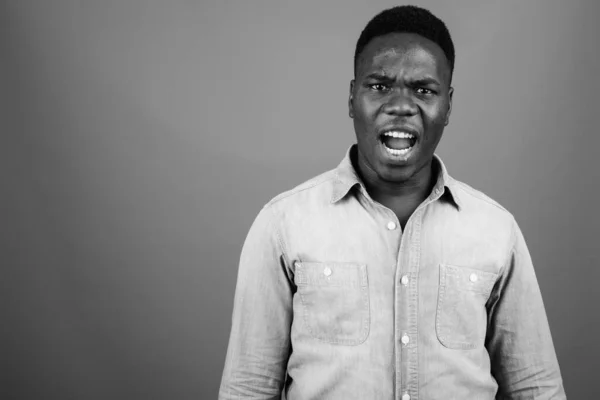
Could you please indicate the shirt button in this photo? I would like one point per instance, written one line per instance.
(473, 278)
(404, 280)
(327, 271)
(391, 225)
(405, 339)
(406, 396)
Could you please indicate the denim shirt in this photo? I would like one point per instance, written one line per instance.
(334, 301)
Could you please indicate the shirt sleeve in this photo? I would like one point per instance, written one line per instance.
(522, 354)
(259, 342)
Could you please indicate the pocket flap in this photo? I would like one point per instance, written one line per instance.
(331, 274)
(464, 278)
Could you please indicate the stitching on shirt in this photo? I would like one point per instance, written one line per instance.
(512, 246)
(415, 298)
(280, 240)
(514, 251)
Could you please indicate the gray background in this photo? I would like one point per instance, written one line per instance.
(140, 139)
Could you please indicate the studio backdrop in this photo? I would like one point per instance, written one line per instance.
(140, 138)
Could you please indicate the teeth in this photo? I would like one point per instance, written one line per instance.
(402, 135)
(398, 152)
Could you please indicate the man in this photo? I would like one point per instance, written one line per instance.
(386, 278)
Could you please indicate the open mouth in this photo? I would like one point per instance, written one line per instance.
(398, 143)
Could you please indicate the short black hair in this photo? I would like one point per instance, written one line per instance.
(409, 19)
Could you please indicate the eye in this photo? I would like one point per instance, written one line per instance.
(422, 90)
(379, 87)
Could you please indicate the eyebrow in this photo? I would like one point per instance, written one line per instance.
(425, 81)
(378, 76)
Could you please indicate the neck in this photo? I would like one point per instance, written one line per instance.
(412, 191)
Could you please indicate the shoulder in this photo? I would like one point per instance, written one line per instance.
(486, 221)
(473, 197)
(294, 207)
(316, 189)
(483, 210)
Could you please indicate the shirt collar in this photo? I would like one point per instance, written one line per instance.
(346, 178)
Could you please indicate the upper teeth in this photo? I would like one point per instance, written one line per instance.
(396, 134)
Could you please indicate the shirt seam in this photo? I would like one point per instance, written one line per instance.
(516, 251)
(512, 248)
(280, 241)
(513, 251)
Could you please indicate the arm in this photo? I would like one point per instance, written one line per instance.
(259, 343)
(523, 359)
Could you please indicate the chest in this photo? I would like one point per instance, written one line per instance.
(366, 233)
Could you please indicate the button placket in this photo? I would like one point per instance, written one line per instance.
(409, 292)
(405, 339)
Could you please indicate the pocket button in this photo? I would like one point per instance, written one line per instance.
(327, 271)
(473, 277)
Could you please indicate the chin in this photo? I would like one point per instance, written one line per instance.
(395, 174)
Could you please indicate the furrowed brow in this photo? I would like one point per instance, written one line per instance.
(378, 76)
(425, 82)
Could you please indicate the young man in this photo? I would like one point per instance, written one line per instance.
(386, 278)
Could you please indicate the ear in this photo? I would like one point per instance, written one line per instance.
(351, 99)
(450, 93)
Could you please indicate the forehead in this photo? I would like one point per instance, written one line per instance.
(407, 51)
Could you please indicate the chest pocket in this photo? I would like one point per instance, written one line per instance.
(335, 301)
(461, 318)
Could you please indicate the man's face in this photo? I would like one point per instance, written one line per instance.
(400, 101)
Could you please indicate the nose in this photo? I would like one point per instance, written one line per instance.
(400, 103)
